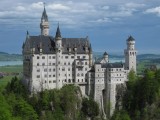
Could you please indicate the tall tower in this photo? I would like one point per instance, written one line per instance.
(130, 54)
(58, 42)
(44, 25)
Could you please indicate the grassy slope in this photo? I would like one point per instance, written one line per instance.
(9, 69)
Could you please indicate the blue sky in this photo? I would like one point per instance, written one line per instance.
(108, 23)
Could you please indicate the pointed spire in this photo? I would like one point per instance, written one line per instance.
(105, 53)
(58, 33)
(27, 35)
(130, 38)
(44, 14)
(90, 48)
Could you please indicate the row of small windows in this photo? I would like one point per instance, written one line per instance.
(116, 69)
(116, 80)
(81, 63)
(69, 80)
(53, 57)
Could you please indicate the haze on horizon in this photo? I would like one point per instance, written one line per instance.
(107, 23)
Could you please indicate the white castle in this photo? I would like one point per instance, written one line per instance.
(51, 62)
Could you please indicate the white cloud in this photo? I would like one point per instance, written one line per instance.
(155, 10)
(58, 7)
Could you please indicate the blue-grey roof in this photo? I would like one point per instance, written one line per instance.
(47, 43)
(44, 15)
(112, 65)
(130, 38)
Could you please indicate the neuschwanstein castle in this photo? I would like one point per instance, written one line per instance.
(51, 62)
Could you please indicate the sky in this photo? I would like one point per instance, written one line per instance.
(107, 23)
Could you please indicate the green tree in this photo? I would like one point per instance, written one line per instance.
(90, 108)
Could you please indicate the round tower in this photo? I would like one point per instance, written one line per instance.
(44, 25)
(130, 54)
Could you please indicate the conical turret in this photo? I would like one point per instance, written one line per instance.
(44, 25)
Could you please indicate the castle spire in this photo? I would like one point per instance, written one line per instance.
(44, 25)
(58, 33)
(27, 36)
(44, 15)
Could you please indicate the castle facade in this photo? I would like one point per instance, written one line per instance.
(51, 62)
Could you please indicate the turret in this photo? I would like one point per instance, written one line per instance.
(44, 25)
(105, 57)
(130, 54)
(58, 41)
(90, 56)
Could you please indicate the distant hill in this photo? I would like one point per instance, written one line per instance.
(139, 57)
(16, 57)
(10, 57)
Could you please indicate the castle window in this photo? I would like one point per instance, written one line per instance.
(53, 57)
(84, 57)
(68, 74)
(68, 69)
(85, 69)
(85, 80)
(49, 63)
(53, 75)
(68, 63)
(65, 63)
(58, 62)
(54, 81)
(49, 75)
(37, 64)
(59, 74)
(45, 75)
(49, 70)
(43, 57)
(72, 56)
(45, 70)
(65, 80)
(66, 57)
(49, 81)
(78, 80)
(45, 81)
(82, 80)
(43, 64)
(82, 74)
(63, 69)
(78, 74)
(69, 80)
(85, 63)
(78, 57)
(53, 63)
(37, 57)
(53, 69)
(38, 70)
(49, 57)
(38, 76)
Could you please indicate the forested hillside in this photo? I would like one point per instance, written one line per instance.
(141, 100)
(64, 104)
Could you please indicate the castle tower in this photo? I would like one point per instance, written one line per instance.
(130, 54)
(90, 56)
(105, 57)
(44, 25)
(58, 41)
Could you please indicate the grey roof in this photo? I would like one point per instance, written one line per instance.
(44, 15)
(47, 43)
(105, 53)
(130, 38)
(113, 65)
(58, 33)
